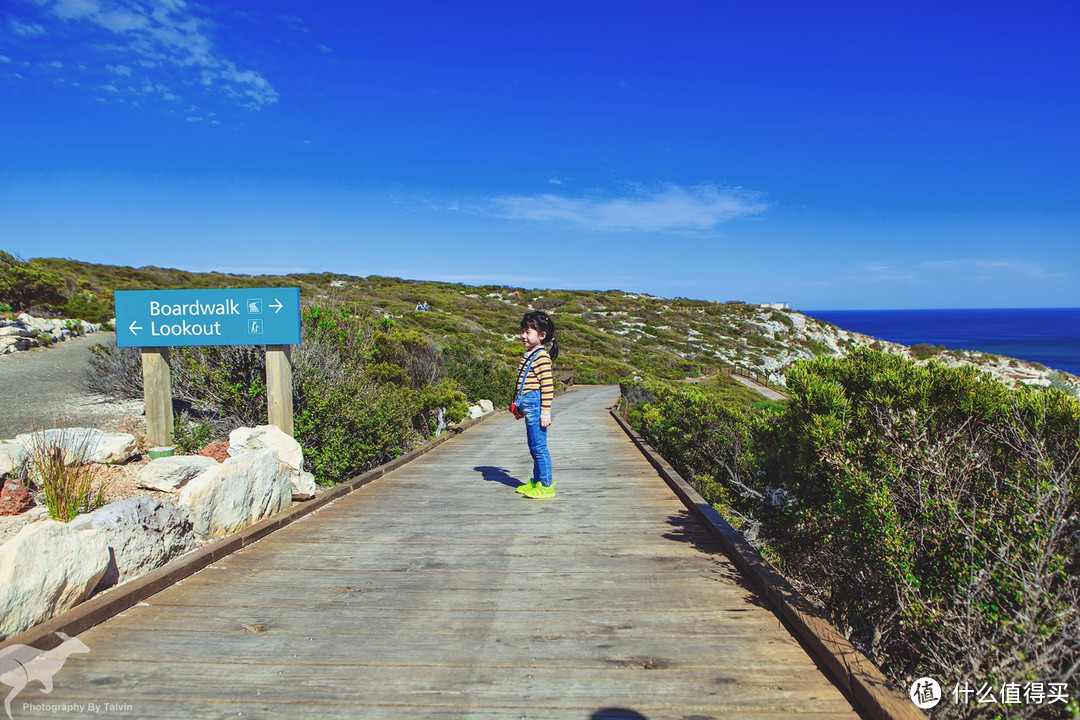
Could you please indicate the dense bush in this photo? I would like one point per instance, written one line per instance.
(931, 510)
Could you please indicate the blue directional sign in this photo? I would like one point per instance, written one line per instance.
(239, 316)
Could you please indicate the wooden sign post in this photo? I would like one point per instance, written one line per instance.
(279, 387)
(157, 394)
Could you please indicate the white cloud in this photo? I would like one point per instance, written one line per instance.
(160, 34)
(73, 9)
(326, 48)
(56, 64)
(883, 272)
(986, 267)
(26, 29)
(671, 209)
(4, 58)
(294, 22)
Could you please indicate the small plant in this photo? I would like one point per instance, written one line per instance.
(189, 436)
(63, 474)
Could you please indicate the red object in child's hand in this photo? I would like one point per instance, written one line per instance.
(515, 412)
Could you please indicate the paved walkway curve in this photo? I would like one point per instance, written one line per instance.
(437, 591)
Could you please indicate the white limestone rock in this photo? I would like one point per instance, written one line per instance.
(49, 567)
(14, 331)
(169, 474)
(141, 533)
(238, 492)
(486, 406)
(244, 440)
(475, 412)
(16, 343)
(12, 457)
(90, 443)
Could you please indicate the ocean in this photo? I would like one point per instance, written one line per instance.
(1047, 336)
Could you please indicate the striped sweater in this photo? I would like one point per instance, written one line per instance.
(540, 378)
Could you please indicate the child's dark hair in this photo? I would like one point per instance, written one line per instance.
(540, 321)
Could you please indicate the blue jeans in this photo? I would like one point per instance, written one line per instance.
(529, 403)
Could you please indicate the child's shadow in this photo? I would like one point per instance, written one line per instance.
(494, 474)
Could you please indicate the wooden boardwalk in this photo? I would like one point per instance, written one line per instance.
(437, 591)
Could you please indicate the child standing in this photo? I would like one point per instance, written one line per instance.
(535, 389)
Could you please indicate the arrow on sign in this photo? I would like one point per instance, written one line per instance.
(276, 304)
(133, 327)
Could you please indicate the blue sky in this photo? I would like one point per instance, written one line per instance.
(831, 154)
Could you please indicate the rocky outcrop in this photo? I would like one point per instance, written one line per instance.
(141, 534)
(244, 440)
(786, 336)
(26, 331)
(82, 444)
(237, 492)
(169, 474)
(47, 568)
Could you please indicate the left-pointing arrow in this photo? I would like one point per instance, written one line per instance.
(133, 327)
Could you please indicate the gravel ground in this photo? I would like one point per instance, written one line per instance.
(43, 388)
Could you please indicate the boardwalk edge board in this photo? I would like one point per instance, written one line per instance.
(100, 608)
(862, 679)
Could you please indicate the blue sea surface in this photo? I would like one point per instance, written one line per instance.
(1048, 336)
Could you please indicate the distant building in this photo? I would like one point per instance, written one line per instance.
(776, 305)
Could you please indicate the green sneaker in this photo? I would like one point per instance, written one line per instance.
(540, 491)
(527, 486)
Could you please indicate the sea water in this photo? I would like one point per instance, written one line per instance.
(1048, 336)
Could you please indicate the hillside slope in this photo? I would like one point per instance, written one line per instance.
(606, 335)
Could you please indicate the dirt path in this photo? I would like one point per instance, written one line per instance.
(43, 388)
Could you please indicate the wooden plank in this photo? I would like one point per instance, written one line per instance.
(185, 709)
(277, 680)
(491, 648)
(615, 622)
(415, 593)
